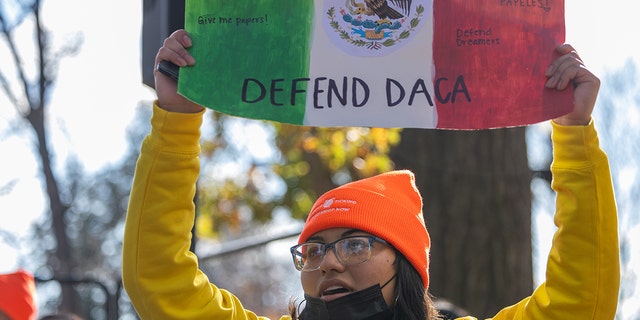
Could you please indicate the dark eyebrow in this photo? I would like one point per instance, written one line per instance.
(350, 232)
(344, 234)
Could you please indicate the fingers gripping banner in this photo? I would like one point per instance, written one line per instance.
(449, 64)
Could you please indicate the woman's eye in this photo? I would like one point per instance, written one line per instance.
(315, 251)
(355, 246)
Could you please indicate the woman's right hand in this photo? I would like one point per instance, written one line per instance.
(174, 49)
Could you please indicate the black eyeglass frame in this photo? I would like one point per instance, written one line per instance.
(332, 245)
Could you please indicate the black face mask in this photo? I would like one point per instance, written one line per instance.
(364, 304)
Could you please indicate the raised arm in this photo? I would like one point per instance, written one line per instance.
(583, 271)
(160, 274)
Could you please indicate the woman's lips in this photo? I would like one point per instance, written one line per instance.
(333, 293)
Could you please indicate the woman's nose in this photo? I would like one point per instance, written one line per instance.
(331, 262)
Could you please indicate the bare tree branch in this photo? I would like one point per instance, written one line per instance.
(36, 93)
(7, 89)
(7, 31)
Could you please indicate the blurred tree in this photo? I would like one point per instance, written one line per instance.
(29, 93)
(94, 221)
(93, 224)
(240, 185)
(159, 19)
(319, 159)
(477, 207)
(78, 245)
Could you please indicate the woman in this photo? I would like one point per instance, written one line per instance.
(364, 250)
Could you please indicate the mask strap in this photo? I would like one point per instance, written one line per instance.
(386, 283)
(299, 305)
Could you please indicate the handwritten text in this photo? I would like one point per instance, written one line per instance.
(354, 91)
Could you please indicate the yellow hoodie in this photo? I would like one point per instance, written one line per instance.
(163, 280)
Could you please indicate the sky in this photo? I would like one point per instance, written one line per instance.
(99, 89)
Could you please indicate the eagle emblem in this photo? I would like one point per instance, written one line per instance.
(373, 27)
(380, 8)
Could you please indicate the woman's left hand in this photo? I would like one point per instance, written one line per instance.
(570, 70)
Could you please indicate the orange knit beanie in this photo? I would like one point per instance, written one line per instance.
(17, 295)
(387, 205)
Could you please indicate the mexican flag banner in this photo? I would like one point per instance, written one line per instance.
(448, 64)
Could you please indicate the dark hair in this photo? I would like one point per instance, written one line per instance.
(413, 302)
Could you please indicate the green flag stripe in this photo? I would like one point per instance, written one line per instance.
(275, 33)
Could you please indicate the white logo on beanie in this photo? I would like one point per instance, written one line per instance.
(340, 205)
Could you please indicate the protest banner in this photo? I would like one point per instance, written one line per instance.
(451, 64)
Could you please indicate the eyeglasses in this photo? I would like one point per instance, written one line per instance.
(349, 250)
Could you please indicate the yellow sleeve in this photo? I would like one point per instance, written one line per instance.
(583, 269)
(160, 274)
